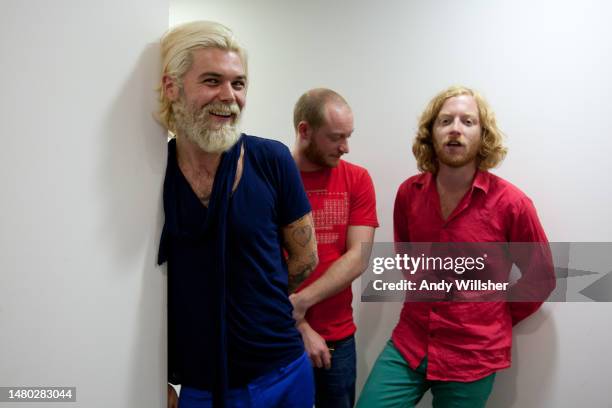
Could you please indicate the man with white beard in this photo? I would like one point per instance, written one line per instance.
(232, 204)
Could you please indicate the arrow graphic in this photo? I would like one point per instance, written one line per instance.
(600, 290)
(564, 273)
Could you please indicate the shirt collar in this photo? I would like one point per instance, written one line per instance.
(481, 181)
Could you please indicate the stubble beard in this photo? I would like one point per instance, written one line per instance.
(457, 160)
(316, 156)
(198, 127)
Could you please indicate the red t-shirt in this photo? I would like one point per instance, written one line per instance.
(463, 341)
(339, 197)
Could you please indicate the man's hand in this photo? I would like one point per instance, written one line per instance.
(315, 345)
(172, 397)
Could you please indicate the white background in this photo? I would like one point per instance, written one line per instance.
(544, 67)
(81, 301)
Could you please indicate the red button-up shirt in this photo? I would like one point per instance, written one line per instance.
(463, 341)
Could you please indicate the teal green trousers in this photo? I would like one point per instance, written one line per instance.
(393, 384)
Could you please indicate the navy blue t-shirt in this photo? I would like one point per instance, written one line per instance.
(260, 330)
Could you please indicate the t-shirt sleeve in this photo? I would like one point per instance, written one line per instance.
(363, 202)
(292, 200)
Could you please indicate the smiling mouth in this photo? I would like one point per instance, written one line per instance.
(454, 144)
(221, 114)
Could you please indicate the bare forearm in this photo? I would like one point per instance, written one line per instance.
(299, 269)
(301, 246)
(338, 277)
(340, 274)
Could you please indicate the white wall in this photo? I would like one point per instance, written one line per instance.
(544, 66)
(81, 301)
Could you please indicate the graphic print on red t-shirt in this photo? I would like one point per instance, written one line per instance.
(334, 212)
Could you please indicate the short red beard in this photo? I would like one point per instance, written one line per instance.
(456, 161)
(316, 156)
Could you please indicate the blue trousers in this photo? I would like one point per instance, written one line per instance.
(335, 388)
(289, 386)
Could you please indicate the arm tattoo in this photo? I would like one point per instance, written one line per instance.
(301, 272)
(302, 235)
(297, 279)
(299, 242)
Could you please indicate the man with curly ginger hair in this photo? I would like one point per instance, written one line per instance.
(455, 348)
